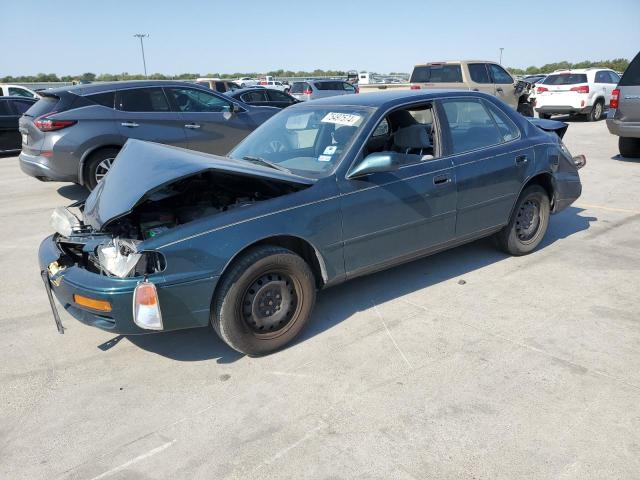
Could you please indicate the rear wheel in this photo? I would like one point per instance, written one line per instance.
(528, 223)
(596, 111)
(264, 300)
(98, 164)
(629, 147)
(544, 116)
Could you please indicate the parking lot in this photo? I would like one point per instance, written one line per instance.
(468, 364)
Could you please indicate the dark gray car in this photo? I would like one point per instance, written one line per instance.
(624, 112)
(73, 134)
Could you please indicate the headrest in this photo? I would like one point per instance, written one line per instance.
(414, 136)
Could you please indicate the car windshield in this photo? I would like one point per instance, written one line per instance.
(565, 79)
(308, 141)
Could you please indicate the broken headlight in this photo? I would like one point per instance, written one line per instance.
(64, 222)
(118, 257)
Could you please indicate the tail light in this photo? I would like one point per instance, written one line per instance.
(45, 124)
(581, 89)
(615, 95)
(146, 307)
(542, 89)
(308, 91)
(415, 87)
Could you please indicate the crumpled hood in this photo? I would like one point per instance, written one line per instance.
(144, 167)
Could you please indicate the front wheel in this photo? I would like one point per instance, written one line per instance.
(263, 300)
(528, 222)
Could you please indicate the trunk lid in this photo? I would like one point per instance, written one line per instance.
(141, 168)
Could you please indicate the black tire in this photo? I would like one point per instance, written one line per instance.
(525, 109)
(240, 314)
(532, 210)
(287, 90)
(629, 147)
(544, 116)
(96, 164)
(596, 111)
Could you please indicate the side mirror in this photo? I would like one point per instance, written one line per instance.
(236, 108)
(375, 163)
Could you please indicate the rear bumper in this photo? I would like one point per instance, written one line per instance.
(566, 192)
(562, 109)
(622, 129)
(43, 168)
(183, 305)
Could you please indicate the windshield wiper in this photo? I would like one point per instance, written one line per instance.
(264, 163)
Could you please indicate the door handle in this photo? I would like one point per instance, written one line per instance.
(129, 124)
(192, 126)
(441, 179)
(499, 90)
(521, 159)
(475, 90)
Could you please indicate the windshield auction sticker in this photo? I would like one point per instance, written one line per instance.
(341, 118)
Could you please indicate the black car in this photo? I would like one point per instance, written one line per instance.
(11, 109)
(263, 97)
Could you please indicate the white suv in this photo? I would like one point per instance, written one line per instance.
(580, 91)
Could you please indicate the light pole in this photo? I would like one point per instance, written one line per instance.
(144, 63)
(501, 49)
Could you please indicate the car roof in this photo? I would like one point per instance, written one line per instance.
(87, 89)
(390, 98)
(579, 70)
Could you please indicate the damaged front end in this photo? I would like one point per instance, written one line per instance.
(524, 92)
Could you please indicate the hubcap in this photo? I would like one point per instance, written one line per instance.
(269, 303)
(102, 168)
(528, 220)
(598, 110)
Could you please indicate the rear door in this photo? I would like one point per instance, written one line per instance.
(504, 85)
(602, 85)
(490, 164)
(9, 136)
(629, 98)
(210, 123)
(145, 114)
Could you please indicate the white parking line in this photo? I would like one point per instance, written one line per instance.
(610, 209)
(151, 452)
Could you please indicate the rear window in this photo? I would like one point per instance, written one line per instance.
(631, 75)
(44, 105)
(565, 79)
(437, 74)
(299, 87)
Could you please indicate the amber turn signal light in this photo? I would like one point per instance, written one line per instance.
(92, 303)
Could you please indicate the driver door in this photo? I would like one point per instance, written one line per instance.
(389, 217)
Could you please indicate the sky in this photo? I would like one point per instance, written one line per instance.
(223, 36)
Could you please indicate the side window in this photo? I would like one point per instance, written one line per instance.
(19, 92)
(142, 100)
(499, 74)
(106, 99)
(478, 73)
(348, 87)
(407, 131)
(252, 97)
(4, 108)
(277, 96)
(190, 100)
(21, 106)
(221, 87)
(507, 128)
(470, 125)
(602, 77)
(613, 77)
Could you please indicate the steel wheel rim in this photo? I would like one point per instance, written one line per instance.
(270, 305)
(103, 168)
(528, 221)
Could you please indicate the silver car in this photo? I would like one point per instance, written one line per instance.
(312, 89)
(624, 111)
(73, 134)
